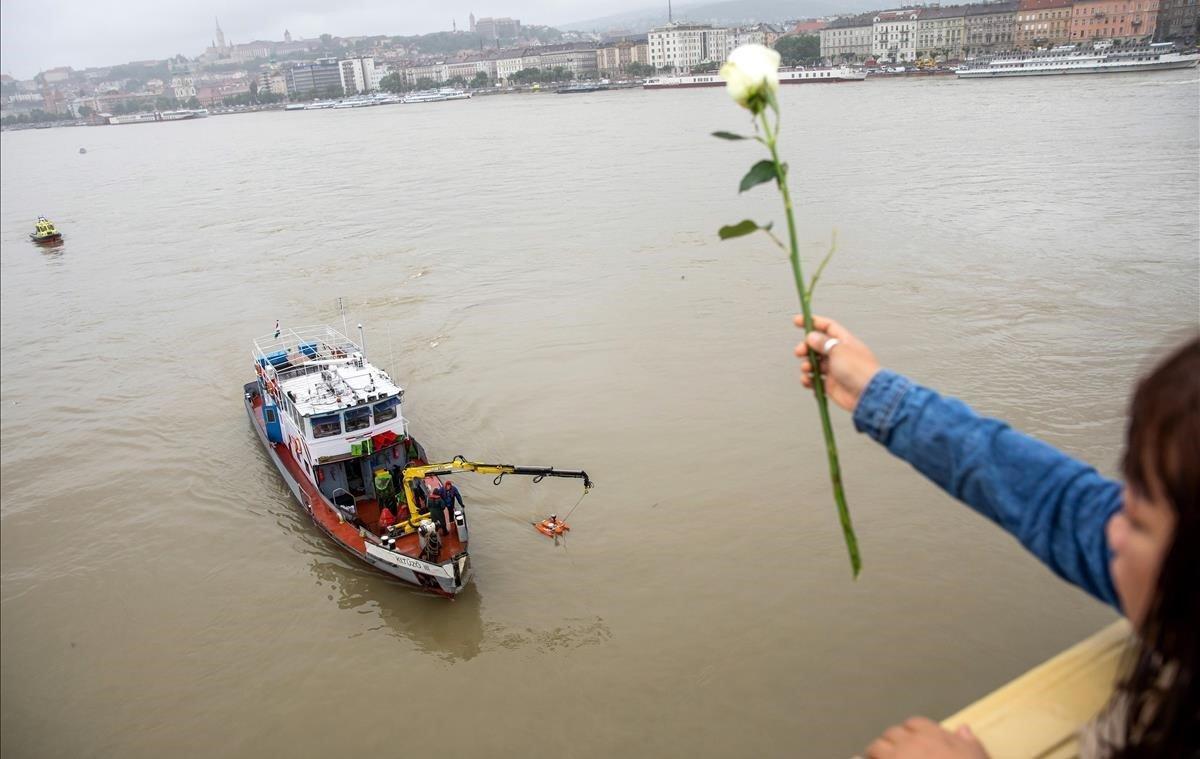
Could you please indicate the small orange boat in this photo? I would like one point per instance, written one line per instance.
(552, 526)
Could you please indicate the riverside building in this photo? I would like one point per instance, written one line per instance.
(469, 69)
(313, 78)
(359, 75)
(507, 65)
(894, 35)
(1177, 21)
(989, 27)
(613, 58)
(1042, 23)
(941, 32)
(1120, 20)
(759, 34)
(579, 58)
(848, 39)
(433, 72)
(684, 46)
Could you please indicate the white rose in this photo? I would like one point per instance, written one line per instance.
(750, 73)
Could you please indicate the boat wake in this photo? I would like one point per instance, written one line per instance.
(1184, 82)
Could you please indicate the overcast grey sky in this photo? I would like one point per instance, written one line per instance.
(39, 34)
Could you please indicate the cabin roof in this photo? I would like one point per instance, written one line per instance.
(321, 370)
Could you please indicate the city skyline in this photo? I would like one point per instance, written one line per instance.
(36, 37)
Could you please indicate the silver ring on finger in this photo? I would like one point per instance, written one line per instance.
(829, 344)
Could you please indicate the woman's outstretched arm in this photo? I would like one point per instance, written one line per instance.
(1056, 506)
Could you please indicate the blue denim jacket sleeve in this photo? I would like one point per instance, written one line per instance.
(1056, 506)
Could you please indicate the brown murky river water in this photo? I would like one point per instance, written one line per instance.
(543, 275)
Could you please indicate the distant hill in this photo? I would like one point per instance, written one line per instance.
(727, 12)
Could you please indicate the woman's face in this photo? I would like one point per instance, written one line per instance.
(1139, 536)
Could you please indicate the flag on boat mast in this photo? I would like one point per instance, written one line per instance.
(276, 329)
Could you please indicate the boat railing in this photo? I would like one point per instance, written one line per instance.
(345, 373)
(288, 349)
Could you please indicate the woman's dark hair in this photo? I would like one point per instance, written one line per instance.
(1162, 462)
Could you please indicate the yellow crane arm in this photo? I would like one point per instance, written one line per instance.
(414, 474)
(460, 464)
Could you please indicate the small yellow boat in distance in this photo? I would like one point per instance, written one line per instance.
(45, 231)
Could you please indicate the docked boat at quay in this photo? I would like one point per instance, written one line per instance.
(578, 87)
(1069, 59)
(355, 101)
(380, 98)
(156, 116)
(366, 101)
(331, 423)
(786, 76)
(436, 96)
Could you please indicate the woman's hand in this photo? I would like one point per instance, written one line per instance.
(919, 738)
(847, 364)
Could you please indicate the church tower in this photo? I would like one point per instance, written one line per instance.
(220, 35)
(472, 17)
(287, 36)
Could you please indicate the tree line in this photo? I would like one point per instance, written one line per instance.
(396, 83)
(36, 116)
(541, 76)
(799, 50)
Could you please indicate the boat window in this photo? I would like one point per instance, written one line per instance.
(386, 411)
(358, 418)
(326, 426)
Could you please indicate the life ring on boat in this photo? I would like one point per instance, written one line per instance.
(551, 527)
(272, 387)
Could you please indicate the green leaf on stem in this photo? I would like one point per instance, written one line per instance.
(763, 171)
(729, 136)
(773, 101)
(742, 228)
(812, 283)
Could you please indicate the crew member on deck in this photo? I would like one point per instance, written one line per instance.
(450, 494)
(437, 510)
(418, 492)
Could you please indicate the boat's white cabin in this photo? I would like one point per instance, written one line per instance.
(327, 393)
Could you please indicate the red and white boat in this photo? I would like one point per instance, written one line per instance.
(331, 423)
(786, 76)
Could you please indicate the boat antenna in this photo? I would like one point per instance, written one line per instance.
(362, 341)
(391, 354)
(342, 311)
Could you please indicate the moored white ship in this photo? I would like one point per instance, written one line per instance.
(786, 76)
(820, 75)
(134, 118)
(192, 113)
(154, 116)
(436, 96)
(1071, 60)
